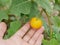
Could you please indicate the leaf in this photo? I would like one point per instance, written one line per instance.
(50, 42)
(45, 42)
(53, 42)
(24, 18)
(3, 15)
(5, 4)
(16, 2)
(58, 36)
(57, 1)
(56, 21)
(34, 10)
(45, 4)
(14, 26)
(23, 7)
(57, 7)
(56, 29)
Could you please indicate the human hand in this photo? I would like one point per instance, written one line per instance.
(25, 36)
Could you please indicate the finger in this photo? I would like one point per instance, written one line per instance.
(23, 30)
(39, 40)
(29, 35)
(36, 35)
(3, 28)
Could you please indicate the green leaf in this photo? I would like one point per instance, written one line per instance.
(45, 42)
(53, 42)
(16, 2)
(3, 15)
(34, 10)
(24, 18)
(58, 36)
(14, 26)
(56, 28)
(50, 42)
(57, 1)
(57, 7)
(5, 4)
(56, 21)
(23, 7)
(45, 4)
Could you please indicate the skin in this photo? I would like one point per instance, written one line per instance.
(33, 37)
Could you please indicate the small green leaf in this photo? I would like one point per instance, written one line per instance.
(14, 26)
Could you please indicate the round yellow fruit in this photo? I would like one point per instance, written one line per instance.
(35, 23)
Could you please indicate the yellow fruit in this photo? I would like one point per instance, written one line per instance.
(35, 23)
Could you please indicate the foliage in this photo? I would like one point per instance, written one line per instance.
(15, 12)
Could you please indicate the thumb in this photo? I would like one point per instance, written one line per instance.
(3, 28)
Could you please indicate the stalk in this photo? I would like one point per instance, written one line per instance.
(49, 23)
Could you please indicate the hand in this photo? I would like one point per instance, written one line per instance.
(32, 37)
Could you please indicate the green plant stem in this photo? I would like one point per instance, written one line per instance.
(41, 11)
(49, 22)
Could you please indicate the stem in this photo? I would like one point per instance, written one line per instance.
(49, 22)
